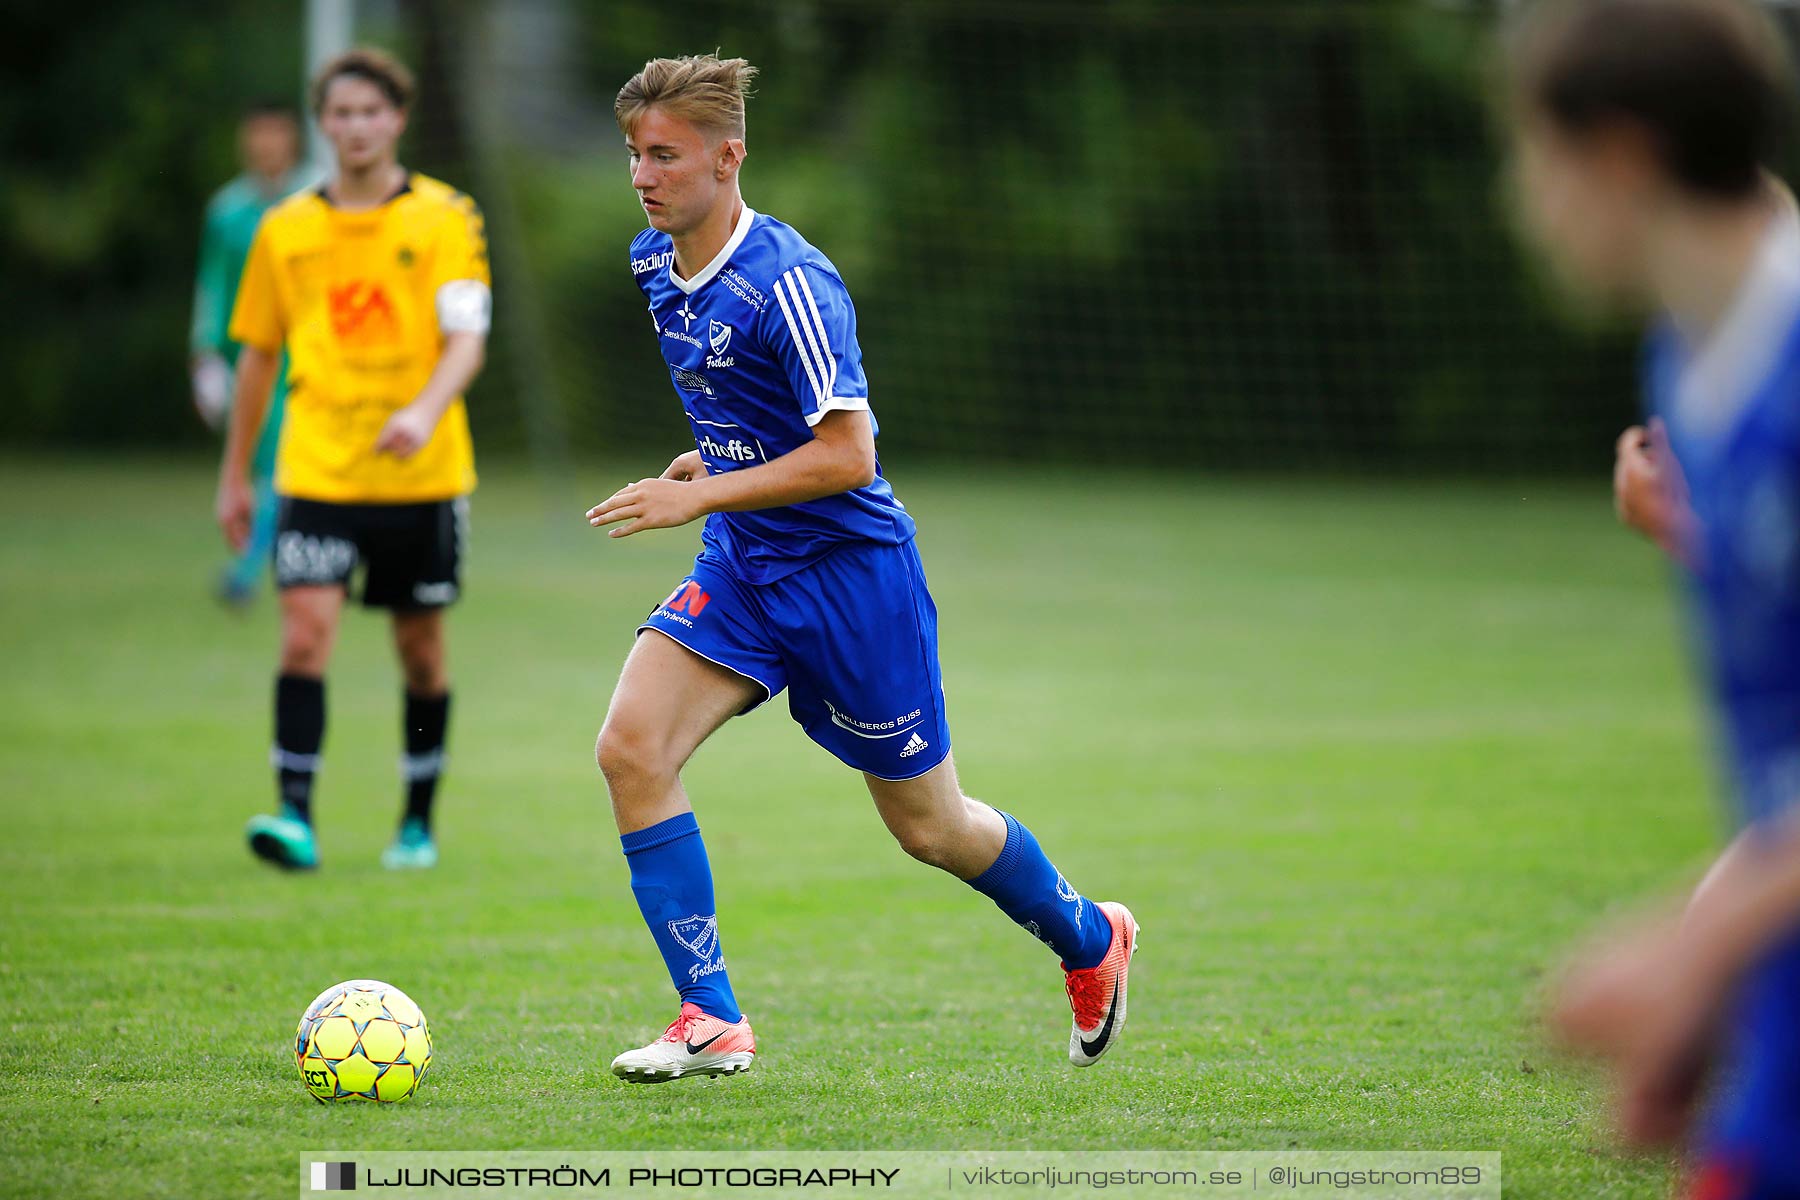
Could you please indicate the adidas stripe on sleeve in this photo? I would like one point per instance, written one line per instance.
(812, 334)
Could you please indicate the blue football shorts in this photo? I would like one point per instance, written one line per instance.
(852, 637)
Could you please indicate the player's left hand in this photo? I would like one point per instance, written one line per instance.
(406, 432)
(1649, 1002)
(646, 504)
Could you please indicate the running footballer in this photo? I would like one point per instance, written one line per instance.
(1643, 130)
(808, 581)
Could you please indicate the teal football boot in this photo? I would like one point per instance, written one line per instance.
(285, 840)
(412, 848)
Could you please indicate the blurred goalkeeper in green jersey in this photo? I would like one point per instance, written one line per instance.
(269, 150)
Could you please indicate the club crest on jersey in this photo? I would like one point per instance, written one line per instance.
(718, 335)
(699, 934)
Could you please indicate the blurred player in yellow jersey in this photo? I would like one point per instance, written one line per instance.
(376, 283)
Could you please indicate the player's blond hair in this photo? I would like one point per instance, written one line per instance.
(703, 89)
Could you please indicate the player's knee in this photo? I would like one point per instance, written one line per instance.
(629, 757)
(305, 643)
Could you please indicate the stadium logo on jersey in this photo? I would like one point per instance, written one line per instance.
(362, 314)
(693, 381)
(652, 263)
(699, 934)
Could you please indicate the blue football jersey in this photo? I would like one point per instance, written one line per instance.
(1732, 409)
(761, 344)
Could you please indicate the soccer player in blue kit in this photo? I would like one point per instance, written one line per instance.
(1641, 130)
(807, 579)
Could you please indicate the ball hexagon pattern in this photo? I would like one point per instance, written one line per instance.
(362, 1040)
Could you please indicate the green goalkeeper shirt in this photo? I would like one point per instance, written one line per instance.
(231, 219)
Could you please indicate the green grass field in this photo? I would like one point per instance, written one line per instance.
(1362, 759)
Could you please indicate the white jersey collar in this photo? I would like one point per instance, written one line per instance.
(705, 274)
(1724, 372)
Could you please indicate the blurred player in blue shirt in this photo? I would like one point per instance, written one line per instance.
(1641, 130)
(808, 581)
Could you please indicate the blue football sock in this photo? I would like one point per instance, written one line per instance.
(673, 884)
(1029, 889)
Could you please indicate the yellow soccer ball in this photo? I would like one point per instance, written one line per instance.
(362, 1040)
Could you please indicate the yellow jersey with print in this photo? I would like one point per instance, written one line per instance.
(354, 298)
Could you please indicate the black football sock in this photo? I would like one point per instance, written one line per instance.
(299, 731)
(427, 719)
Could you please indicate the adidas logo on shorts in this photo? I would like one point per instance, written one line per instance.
(914, 746)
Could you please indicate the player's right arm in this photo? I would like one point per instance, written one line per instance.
(810, 332)
(259, 326)
(812, 337)
(839, 458)
(236, 500)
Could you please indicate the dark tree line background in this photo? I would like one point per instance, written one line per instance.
(1213, 235)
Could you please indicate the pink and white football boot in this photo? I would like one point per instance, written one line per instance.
(693, 1044)
(1097, 993)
